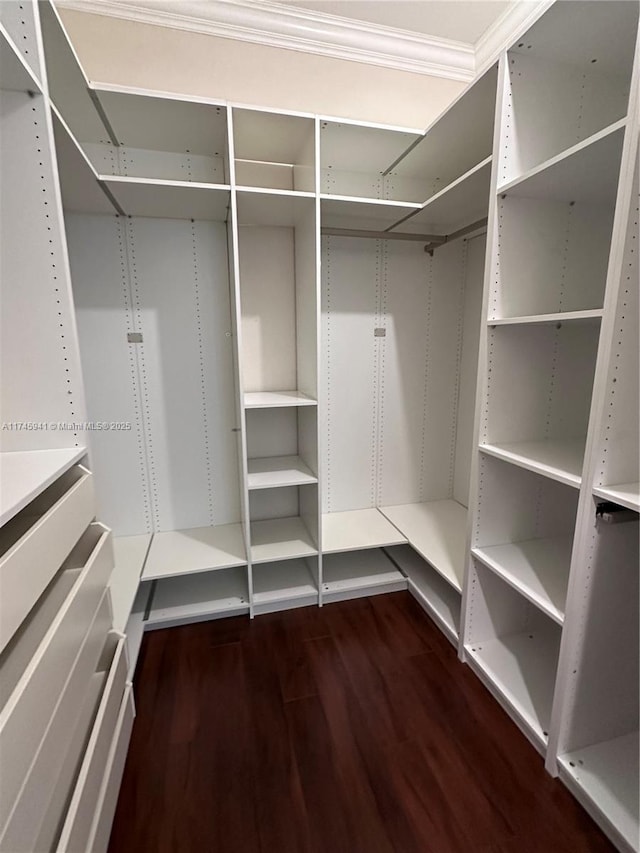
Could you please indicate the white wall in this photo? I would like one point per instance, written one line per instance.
(134, 54)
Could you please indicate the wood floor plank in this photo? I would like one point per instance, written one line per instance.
(348, 729)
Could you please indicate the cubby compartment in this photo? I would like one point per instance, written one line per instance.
(282, 585)
(356, 574)
(355, 160)
(198, 597)
(539, 390)
(553, 258)
(278, 293)
(513, 647)
(524, 530)
(274, 150)
(440, 599)
(618, 462)
(598, 746)
(284, 523)
(569, 78)
(282, 447)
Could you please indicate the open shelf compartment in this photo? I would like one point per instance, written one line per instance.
(569, 78)
(524, 532)
(281, 447)
(539, 396)
(198, 597)
(284, 523)
(513, 648)
(284, 585)
(356, 574)
(274, 150)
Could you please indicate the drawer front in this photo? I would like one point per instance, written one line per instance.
(108, 800)
(27, 568)
(82, 809)
(28, 712)
(21, 830)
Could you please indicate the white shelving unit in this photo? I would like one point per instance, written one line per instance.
(311, 418)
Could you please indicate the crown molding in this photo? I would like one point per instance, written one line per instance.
(515, 21)
(274, 25)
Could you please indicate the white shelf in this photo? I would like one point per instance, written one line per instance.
(352, 212)
(461, 203)
(280, 539)
(591, 315)
(275, 471)
(606, 775)
(276, 399)
(586, 172)
(130, 553)
(271, 207)
(434, 594)
(169, 199)
(192, 598)
(287, 582)
(520, 669)
(199, 549)
(24, 474)
(537, 568)
(437, 530)
(623, 494)
(356, 530)
(15, 74)
(359, 573)
(559, 460)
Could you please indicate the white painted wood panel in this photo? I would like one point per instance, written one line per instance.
(20, 23)
(130, 553)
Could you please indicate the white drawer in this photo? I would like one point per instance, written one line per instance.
(108, 797)
(34, 544)
(78, 825)
(28, 711)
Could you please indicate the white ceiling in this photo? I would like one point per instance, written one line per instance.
(460, 20)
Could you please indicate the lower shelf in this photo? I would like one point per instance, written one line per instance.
(441, 601)
(196, 597)
(520, 670)
(198, 549)
(604, 777)
(280, 539)
(623, 494)
(355, 574)
(437, 530)
(357, 529)
(280, 586)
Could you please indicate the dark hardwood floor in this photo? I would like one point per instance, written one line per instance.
(350, 729)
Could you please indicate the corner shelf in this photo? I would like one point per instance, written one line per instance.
(623, 494)
(276, 471)
(606, 775)
(437, 531)
(357, 530)
(280, 539)
(274, 399)
(199, 549)
(339, 211)
(130, 553)
(461, 203)
(560, 460)
(537, 568)
(289, 583)
(356, 574)
(27, 473)
(441, 601)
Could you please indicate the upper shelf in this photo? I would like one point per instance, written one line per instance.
(273, 207)
(363, 213)
(587, 172)
(168, 199)
(26, 473)
(276, 399)
(461, 203)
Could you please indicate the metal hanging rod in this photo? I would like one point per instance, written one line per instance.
(432, 241)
